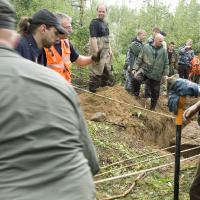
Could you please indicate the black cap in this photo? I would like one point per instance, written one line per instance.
(7, 15)
(163, 33)
(48, 18)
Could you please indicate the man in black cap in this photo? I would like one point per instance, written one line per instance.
(46, 152)
(41, 31)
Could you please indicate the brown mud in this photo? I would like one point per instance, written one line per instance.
(151, 127)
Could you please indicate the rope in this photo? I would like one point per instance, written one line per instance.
(164, 149)
(144, 161)
(142, 171)
(127, 104)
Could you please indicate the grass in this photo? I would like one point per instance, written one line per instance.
(113, 145)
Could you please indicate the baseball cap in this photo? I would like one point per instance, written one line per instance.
(163, 33)
(7, 15)
(46, 17)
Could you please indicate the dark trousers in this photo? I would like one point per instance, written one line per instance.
(183, 71)
(153, 85)
(96, 81)
(195, 188)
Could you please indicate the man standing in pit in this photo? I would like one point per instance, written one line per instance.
(101, 73)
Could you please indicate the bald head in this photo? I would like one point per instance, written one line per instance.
(158, 40)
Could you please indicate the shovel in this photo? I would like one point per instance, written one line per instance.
(179, 123)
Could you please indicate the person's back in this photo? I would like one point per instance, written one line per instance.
(46, 153)
(40, 134)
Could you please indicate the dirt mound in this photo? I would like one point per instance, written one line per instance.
(124, 110)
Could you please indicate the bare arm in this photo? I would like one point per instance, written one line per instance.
(83, 60)
(192, 111)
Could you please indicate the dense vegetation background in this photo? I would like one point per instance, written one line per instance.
(181, 24)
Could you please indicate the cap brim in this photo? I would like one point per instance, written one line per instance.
(60, 29)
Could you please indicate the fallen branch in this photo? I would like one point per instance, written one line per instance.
(142, 171)
(140, 176)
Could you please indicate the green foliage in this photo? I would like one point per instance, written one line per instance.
(124, 22)
(80, 37)
(113, 145)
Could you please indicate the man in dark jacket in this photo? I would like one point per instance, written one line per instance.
(46, 152)
(42, 31)
(185, 56)
(173, 58)
(152, 64)
(131, 57)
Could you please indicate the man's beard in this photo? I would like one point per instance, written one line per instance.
(47, 44)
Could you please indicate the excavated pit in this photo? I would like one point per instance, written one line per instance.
(190, 140)
(151, 127)
(121, 109)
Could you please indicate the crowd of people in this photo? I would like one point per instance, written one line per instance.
(152, 62)
(47, 152)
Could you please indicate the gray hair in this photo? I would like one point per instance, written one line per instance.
(61, 16)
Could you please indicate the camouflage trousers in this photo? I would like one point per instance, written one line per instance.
(128, 81)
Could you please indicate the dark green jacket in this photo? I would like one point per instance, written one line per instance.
(133, 52)
(44, 143)
(153, 62)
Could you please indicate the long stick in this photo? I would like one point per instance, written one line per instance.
(179, 122)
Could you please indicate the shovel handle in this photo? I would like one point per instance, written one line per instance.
(179, 116)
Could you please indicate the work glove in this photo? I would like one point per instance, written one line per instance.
(173, 103)
(133, 72)
(97, 57)
(181, 87)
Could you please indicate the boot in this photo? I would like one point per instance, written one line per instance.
(153, 104)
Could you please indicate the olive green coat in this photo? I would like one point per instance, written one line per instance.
(153, 61)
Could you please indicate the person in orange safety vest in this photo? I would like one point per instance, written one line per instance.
(60, 56)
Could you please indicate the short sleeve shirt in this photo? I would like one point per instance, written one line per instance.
(98, 28)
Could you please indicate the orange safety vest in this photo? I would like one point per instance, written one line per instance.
(60, 63)
(195, 66)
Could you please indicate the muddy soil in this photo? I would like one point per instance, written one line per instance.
(122, 109)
